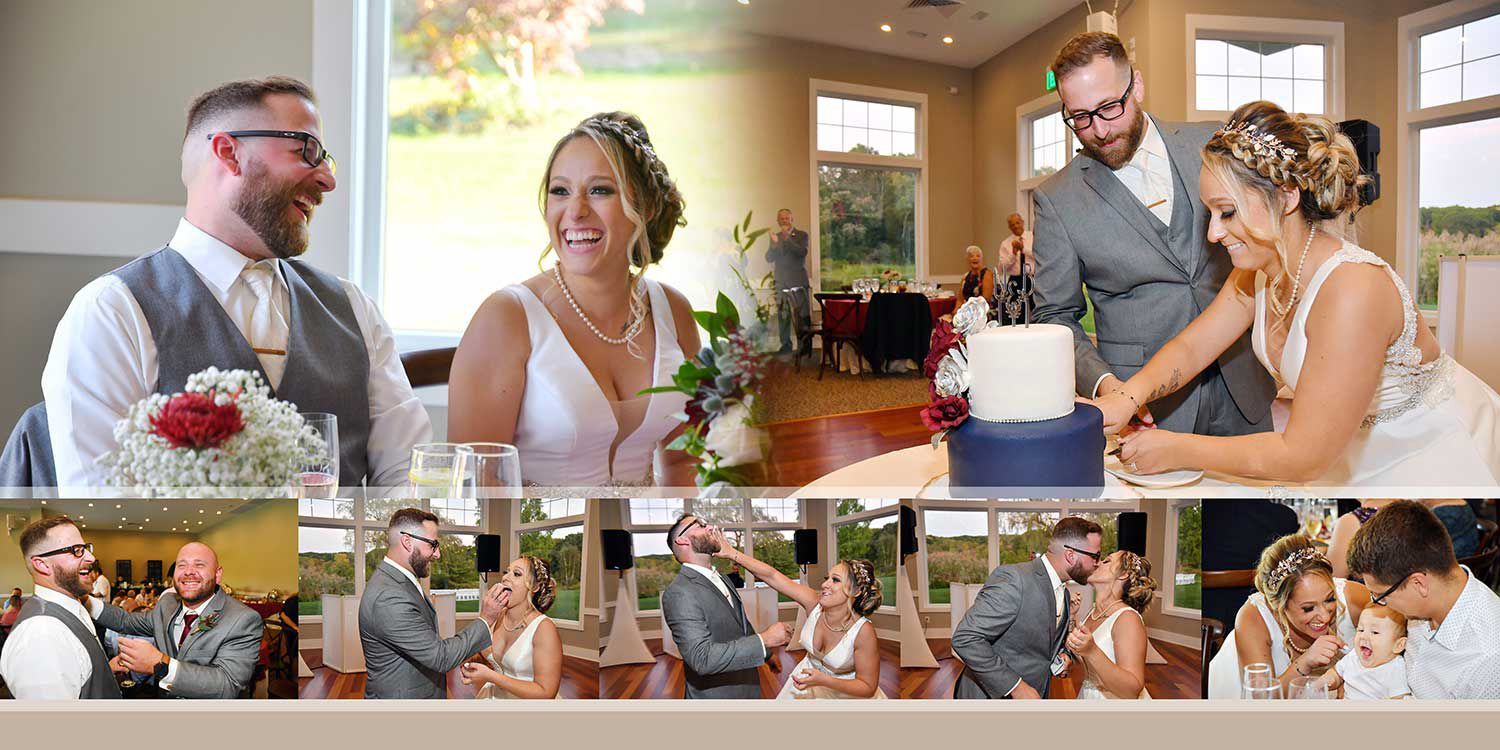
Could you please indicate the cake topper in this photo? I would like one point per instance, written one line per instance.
(1017, 302)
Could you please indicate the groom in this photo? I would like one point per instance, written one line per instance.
(1124, 219)
(404, 658)
(228, 290)
(1013, 635)
(205, 642)
(720, 650)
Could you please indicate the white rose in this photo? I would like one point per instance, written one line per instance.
(972, 317)
(732, 439)
(952, 378)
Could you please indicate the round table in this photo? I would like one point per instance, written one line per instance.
(939, 306)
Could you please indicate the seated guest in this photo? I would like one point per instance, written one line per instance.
(979, 280)
(228, 291)
(1457, 517)
(12, 609)
(1407, 561)
(14, 598)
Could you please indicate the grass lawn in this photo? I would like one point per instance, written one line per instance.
(1189, 597)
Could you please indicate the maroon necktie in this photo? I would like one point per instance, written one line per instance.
(187, 627)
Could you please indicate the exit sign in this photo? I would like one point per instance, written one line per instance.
(1051, 80)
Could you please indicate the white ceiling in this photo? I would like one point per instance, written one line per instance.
(154, 516)
(855, 24)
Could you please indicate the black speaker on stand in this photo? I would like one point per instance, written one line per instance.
(487, 554)
(619, 549)
(908, 531)
(806, 542)
(1130, 532)
(1366, 138)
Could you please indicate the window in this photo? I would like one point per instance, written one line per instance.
(654, 567)
(868, 161)
(762, 528)
(1295, 63)
(867, 530)
(1460, 63)
(957, 550)
(1051, 144)
(552, 529)
(1182, 587)
(325, 565)
(1459, 206)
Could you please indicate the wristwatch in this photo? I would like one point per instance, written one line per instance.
(161, 668)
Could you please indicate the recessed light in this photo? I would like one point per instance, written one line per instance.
(44, 502)
(744, 2)
(885, 27)
(947, 40)
(200, 510)
(122, 518)
(91, 505)
(119, 527)
(117, 506)
(200, 523)
(218, 512)
(164, 509)
(148, 520)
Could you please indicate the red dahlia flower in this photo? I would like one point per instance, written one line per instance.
(193, 420)
(945, 413)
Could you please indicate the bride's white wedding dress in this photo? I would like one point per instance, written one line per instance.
(838, 662)
(1104, 640)
(1429, 423)
(566, 426)
(516, 663)
(1224, 669)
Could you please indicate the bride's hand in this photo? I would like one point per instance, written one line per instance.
(474, 672)
(726, 550)
(1150, 451)
(1080, 640)
(808, 678)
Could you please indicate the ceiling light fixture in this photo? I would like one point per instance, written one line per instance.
(885, 27)
(947, 40)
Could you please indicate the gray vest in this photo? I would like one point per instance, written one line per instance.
(101, 683)
(1182, 223)
(327, 366)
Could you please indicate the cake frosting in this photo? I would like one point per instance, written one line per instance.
(1021, 373)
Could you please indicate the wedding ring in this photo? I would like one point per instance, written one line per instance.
(1132, 467)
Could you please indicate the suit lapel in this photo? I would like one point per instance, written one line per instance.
(172, 633)
(698, 578)
(215, 606)
(1103, 181)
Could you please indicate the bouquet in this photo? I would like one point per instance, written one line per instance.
(720, 383)
(223, 431)
(947, 367)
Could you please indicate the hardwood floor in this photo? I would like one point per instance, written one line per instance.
(580, 681)
(1178, 678)
(806, 449)
(665, 680)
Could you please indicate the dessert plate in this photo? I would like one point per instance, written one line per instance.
(1151, 481)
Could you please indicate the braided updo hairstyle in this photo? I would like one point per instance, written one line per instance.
(1320, 161)
(543, 586)
(865, 590)
(1137, 587)
(1281, 566)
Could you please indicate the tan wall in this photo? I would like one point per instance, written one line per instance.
(137, 547)
(257, 547)
(778, 88)
(1160, 31)
(13, 570)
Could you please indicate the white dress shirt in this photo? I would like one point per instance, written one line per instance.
(1461, 658)
(718, 582)
(103, 360)
(101, 589)
(42, 658)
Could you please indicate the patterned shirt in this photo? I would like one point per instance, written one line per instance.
(1460, 659)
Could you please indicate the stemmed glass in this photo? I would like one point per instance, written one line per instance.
(1308, 688)
(320, 478)
(1259, 683)
(490, 470)
(437, 469)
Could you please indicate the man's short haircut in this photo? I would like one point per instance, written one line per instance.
(675, 530)
(409, 520)
(34, 536)
(236, 96)
(1075, 530)
(1402, 538)
(1084, 48)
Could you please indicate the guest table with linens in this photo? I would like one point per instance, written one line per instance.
(890, 326)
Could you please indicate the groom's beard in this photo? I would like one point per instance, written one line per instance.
(704, 545)
(1121, 153)
(420, 566)
(1078, 574)
(72, 584)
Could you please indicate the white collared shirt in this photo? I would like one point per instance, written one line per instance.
(1149, 173)
(410, 576)
(1461, 658)
(1059, 590)
(718, 582)
(104, 359)
(42, 658)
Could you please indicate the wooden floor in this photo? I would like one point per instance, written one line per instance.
(580, 681)
(665, 680)
(806, 449)
(1178, 678)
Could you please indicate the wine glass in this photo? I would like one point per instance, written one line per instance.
(1307, 688)
(320, 477)
(492, 470)
(1258, 682)
(437, 468)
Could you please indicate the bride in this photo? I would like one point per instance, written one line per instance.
(1299, 619)
(1377, 402)
(529, 661)
(843, 658)
(1113, 648)
(554, 364)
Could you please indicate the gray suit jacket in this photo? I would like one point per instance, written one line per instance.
(720, 650)
(218, 662)
(404, 658)
(1147, 282)
(789, 260)
(1008, 634)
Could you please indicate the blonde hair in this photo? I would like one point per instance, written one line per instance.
(865, 590)
(544, 586)
(1263, 148)
(1139, 587)
(1282, 565)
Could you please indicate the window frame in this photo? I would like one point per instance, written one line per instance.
(1026, 183)
(1167, 592)
(517, 529)
(817, 159)
(893, 510)
(1330, 34)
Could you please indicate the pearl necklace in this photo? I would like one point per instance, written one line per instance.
(1094, 612)
(833, 629)
(630, 331)
(1296, 278)
(509, 629)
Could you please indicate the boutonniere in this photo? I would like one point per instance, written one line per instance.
(206, 623)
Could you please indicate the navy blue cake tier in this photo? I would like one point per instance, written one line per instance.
(1066, 453)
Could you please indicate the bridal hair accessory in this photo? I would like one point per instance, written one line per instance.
(1261, 142)
(632, 328)
(1293, 564)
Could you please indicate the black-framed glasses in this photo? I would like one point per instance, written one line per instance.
(1108, 111)
(75, 550)
(689, 527)
(1096, 555)
(1380, 599)
(432, 542)
(313, 152)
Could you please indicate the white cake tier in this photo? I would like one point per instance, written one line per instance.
(1021, 373)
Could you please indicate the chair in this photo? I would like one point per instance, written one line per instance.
(426, 367)
(1228, 579)
(1212, 637)
(1482, 562)
(838, 325)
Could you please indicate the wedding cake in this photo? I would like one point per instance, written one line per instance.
(1024, 429)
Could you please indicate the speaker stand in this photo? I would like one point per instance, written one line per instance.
(914, 649)
(626, 646)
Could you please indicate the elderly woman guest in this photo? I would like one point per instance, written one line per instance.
(979, 281)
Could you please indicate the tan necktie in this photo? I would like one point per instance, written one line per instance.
(268, 329)
(1158, 186)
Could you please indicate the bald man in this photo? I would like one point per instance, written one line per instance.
(204, 642)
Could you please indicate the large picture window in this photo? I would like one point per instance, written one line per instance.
(867, 530)
(1182, 583)
(553, 531)
(761, 528)
(1295, 63)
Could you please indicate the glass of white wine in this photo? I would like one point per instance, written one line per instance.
(437, 469)
(1258, 682)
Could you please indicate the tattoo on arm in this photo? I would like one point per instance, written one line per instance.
(1172, 385)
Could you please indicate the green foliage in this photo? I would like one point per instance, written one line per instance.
(1475, 221)
(1435, 245)
(464, 113)
(1190, 539)
(867, 221)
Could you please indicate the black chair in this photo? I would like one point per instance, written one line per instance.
(1212, 637)
(837, 326)
(1482, 562)
(428, 366)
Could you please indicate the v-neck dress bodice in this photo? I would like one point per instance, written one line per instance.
(837, 662)
(1104, 640)
(516, 663)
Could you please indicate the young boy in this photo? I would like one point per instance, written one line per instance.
(1375, 668)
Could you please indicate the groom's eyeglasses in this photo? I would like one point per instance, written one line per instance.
(1097, 556)
(689, 527)
(313, 152)
(432, 542)
(75, 550)
(1380, 599)
(1108, 111)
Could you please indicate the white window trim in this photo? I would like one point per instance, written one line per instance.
(518, 528)
(1411, 119)
(1026, 113)
(832, 533)
(1249, 28)
(1168, 593)
(992, 509)
(816, 158)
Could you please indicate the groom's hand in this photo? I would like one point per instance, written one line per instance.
(1025, 692)
(139, 656)
(491, 604)
(778, 634)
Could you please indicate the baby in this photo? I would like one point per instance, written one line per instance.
(1375, 668)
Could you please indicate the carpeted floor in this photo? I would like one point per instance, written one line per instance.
(789, 395)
